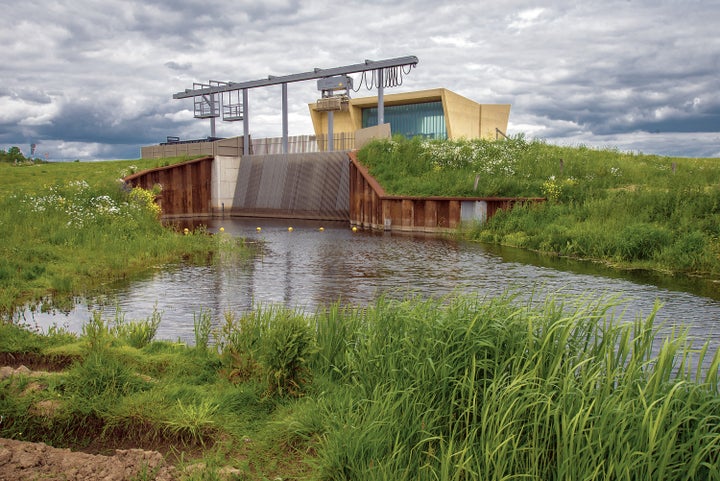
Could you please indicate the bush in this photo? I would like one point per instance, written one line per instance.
(641, 241)
(139, 334)
(692, 250)
(286, 350)
(239, 340)
(102, 375)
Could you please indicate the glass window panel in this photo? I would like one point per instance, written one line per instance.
(411, 120)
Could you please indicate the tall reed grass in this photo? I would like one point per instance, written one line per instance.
(450, 389)
(487, 389)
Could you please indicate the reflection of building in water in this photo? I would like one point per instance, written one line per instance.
(234, 284)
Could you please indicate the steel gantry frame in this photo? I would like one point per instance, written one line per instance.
(206, 93)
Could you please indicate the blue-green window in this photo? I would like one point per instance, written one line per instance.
(411, 120)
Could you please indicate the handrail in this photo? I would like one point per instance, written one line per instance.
(498, 131)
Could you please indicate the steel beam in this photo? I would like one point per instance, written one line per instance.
(315, 74)
(246, 124)
(284, 118)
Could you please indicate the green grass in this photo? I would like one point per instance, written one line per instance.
(452, 389)
(628, 210)
(489, 390)
(459, 388)
(70, 228)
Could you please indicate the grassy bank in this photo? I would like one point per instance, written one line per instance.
(66, 228)
(405, 390)
(628, 210)
(453, 389)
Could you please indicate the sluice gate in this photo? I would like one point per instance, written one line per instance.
(305, 186)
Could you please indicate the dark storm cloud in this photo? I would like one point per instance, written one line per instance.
(84, 122)
(92, 80)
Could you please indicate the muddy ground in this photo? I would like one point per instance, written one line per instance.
(21, 461)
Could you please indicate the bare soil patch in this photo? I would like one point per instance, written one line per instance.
(20, 461)
(101, 460)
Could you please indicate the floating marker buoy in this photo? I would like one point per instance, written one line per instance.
(186, 231)
(290, 229)
(321, 229)
(222, 229)
(354, 229)
(258, 229)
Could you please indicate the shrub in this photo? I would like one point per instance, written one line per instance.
(140, 333)
(286, 350)
(641, 241)
(96, 333)
(238, 340)
(192, 423)
(692, 250)
(102, 375)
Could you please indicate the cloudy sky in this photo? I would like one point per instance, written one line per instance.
(85, 79)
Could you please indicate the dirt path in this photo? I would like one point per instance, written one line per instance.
(20, 461)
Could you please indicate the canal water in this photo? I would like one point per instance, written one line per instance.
(319, 263)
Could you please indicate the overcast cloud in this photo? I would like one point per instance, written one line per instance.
(94, 80)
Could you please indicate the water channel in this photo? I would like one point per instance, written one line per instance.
(309, 267)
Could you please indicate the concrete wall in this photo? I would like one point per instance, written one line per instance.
(225, 171)
(462, 116)
(177, 150)
(492, 117)
(363, 136)
(225, 147)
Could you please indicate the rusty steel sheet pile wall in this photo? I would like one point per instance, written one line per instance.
(308, 186)
(371, 208)
(185, 187)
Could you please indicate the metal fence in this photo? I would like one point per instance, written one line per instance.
(233, 147)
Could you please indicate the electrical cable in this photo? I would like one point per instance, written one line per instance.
(392, 77)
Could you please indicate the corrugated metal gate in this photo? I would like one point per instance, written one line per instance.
(308, 186)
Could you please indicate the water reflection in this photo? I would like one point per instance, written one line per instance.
(307, 268)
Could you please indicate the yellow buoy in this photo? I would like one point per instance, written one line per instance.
(186, 231)
(290, 229)
(321, 229)
(222, 229)
(354, 229)
(258, 229)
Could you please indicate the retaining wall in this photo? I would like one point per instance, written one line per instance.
(372, 208)
(186, 187)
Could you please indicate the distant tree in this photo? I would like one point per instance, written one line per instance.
(14, 155)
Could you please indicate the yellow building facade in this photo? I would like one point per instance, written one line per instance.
(435, 113)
